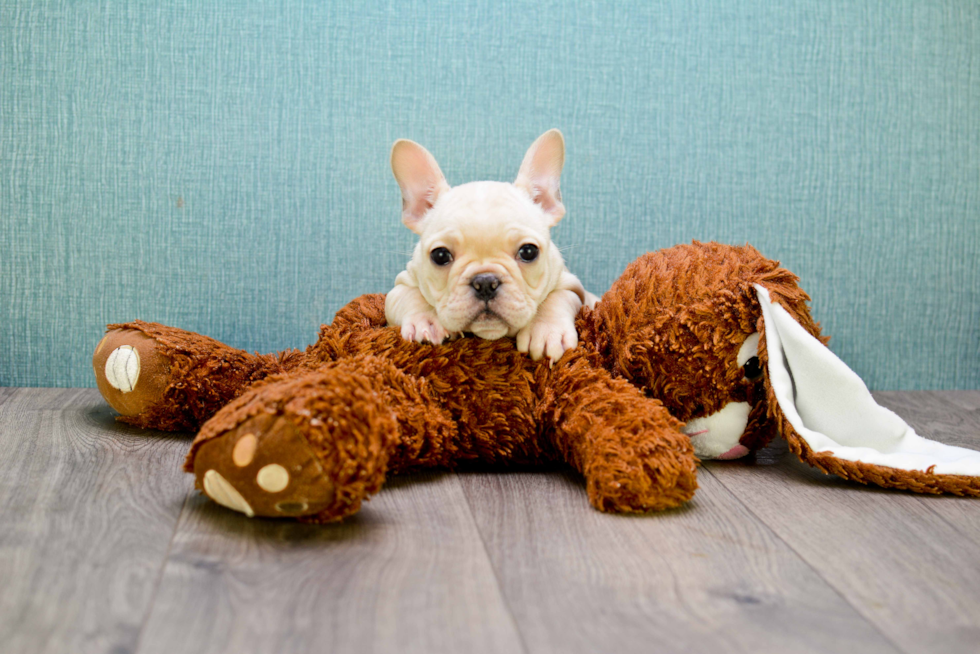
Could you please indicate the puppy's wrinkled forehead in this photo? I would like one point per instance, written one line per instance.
(486, 211)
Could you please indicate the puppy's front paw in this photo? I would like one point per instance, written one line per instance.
(424, 328)
(547, 339)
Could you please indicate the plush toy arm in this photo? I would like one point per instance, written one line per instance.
(627, 446)
(161, 377)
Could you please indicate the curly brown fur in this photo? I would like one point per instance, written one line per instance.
(675, 318)
(472, 400)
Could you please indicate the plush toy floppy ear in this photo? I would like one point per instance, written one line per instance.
(832, 422)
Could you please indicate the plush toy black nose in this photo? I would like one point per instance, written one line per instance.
(485, 286)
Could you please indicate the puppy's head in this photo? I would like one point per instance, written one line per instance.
(485, 259)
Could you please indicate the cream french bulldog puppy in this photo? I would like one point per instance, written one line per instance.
(485, 263)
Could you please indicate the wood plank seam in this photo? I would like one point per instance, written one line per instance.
(974, 419)
(493, 568)
(897, 645)
(159, 577)
(953, 525)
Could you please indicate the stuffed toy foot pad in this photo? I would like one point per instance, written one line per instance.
(131, 371)
(266, 460)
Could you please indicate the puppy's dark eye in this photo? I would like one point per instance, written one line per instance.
(752, 369)
(441, 257)
(528, 252)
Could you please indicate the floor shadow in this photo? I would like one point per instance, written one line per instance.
(203, 514)
(417, 477)
(797, 471)
(103, 417)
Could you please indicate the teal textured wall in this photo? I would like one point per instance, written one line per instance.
(223, 166)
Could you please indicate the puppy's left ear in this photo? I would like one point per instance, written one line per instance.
(540, 172)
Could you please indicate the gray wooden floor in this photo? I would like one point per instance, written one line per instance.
(105, 547)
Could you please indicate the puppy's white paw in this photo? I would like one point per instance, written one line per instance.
(547, 339)
(424, 328)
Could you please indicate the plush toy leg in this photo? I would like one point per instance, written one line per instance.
(314, 446)
(627, 446)
(160, 377)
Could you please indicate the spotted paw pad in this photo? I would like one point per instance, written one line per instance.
(265, 468)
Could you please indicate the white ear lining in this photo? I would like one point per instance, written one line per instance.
(833, 411)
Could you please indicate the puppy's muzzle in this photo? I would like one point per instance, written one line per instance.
(485, 286)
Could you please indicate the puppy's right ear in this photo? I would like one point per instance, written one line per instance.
(420, 180)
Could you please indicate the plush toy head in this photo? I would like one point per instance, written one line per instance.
(723, 337)
(685, 324)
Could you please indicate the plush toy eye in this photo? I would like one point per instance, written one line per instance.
(528, 252)
(752, 369)
(748, 359)
(441, 257)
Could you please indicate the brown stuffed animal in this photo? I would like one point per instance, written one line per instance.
(674, 359)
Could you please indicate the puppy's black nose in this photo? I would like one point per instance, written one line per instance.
(485, 286)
